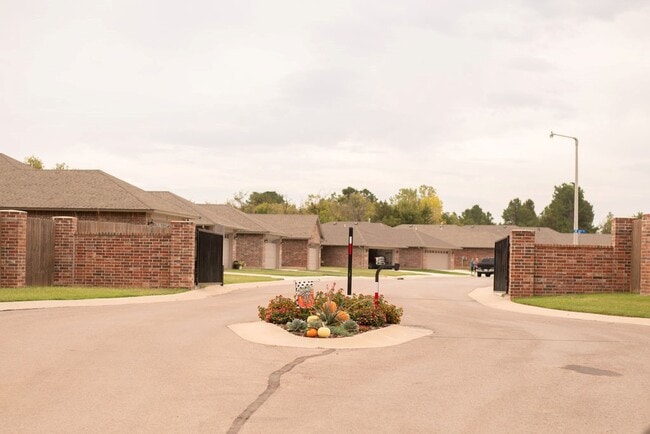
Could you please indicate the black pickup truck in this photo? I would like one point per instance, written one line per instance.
(485, 266)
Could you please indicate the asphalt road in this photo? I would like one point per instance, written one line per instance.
(173, 367)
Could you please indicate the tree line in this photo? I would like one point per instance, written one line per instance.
(422, 205)
(419, 205)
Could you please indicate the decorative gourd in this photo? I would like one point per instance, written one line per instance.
(311, 333)
(312, 318)
(324, 332)
(329, 307)
(342, 316)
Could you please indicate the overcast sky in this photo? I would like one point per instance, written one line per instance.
(208, 98)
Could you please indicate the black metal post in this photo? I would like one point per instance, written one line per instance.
(350, 261)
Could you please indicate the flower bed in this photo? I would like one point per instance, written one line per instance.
(329, 313)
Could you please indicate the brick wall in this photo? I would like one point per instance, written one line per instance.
(13, 248)
(250, 249)
(337, 256)
(295, 253)
(645, 255)
(148, 260)
(412, 258)
(537, 269)
(462, 257)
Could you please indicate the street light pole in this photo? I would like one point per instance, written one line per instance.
(575, 190)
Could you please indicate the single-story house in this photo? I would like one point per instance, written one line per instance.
(84, 194)
(477, 241)
(375, 243)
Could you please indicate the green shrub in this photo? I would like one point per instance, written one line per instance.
(279, 311)
(360, 307)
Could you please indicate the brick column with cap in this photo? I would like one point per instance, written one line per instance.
(13, 248)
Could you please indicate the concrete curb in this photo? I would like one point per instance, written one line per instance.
(487, 297)
(261, 332)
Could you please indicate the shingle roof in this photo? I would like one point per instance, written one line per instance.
(232, 218)
(202, 218)
(413, 237)
(293, 226)
(9, 164)
(484, 236)
(76, 190)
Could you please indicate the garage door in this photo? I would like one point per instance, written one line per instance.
(270, 255)
(227, 257)
(312, 258)
(436, 260)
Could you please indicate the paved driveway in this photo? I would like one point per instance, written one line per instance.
(177, 367)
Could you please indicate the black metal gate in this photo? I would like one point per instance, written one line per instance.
(502, 265)
(209, 257)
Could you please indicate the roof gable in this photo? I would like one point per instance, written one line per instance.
(78, 190)
(296, 226)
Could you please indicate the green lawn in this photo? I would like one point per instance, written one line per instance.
(336, 271)
(232, 278)
(32, 293)
(633, 305)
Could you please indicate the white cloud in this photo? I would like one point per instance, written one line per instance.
(306, 98)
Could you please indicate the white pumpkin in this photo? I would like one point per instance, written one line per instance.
(324, 332)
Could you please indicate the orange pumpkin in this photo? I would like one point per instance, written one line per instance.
(342, 316)
(329, 307)
(311, 333)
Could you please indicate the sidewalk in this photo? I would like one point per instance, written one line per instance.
(498, 300)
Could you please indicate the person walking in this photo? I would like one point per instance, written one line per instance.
(472, 266)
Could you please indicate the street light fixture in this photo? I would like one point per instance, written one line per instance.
(575, 190)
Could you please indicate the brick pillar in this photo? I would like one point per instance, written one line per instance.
(622, 255)
(183, 250)
(645, 256)
(522, 263)
(65, 231)
(13, 249)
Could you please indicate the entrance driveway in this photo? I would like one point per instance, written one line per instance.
(178, 367)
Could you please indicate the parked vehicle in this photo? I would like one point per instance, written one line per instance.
(485, 266)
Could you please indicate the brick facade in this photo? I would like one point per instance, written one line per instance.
(463, 257)
(411, 258)
(250, 249)
(337, 256)
(13, 249)
(295, 253)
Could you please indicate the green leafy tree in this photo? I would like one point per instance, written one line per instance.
(606, 227)
(520, 214)
(417, 206)
(450, 218)
(61, 166)
(268, 202)
(34, 161)
(353, 207)
(386, 214)
(320, 206)
(476, 216)
(638, 215)
(558, 215)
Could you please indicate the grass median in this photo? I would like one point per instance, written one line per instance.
(631, 305)
(34, 293)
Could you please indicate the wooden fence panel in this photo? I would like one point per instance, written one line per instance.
(635, 272)
(40, 252)
(114, 228)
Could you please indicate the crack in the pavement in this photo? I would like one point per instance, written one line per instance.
(272, 386)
